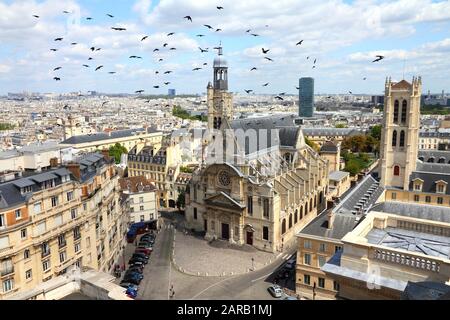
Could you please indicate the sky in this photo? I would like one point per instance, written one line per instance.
(342, 36)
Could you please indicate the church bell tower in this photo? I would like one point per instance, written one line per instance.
(400, 133)
(220, 101)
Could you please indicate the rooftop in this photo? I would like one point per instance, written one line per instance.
(104, 136)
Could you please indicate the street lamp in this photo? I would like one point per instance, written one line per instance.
(253, 264)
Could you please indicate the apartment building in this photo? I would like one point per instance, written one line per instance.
(68, 215)
(140, 194)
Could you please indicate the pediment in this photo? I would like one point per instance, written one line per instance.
(223, 200)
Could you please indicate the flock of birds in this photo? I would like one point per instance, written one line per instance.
(166, 45)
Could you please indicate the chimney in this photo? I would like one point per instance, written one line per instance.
(330, 219)
(54, 163)
(105, 153)
(74, 168)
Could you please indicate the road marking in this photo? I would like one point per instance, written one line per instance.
(260, 278)
(211, 286)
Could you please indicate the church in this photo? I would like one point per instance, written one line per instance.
(259, 183)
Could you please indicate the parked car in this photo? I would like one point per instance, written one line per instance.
(131, 279)
(146, 251)
(145, 245)
(139, 269)
(133, 260)
(134, 274)
(136, 263)
(148, 236)
(140, 254)
(149, 241)
(129, 285)
(275, 291)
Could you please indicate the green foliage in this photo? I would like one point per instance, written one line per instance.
(312, 144)
(186, 170)
(435, 110)
(181, 201)
(341, 126)
(6, 126)
(116, 151)
(183, 114)
(375, 132)
(355, 163)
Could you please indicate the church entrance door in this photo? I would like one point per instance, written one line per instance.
(225, 231)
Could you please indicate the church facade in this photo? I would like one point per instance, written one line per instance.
(265, 185)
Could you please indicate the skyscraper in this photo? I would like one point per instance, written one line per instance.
(306, 97)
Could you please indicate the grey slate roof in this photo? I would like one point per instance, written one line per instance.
(426, 290)
(104, 136)
(438, 156)
(429, 181)
(338, 175)
(432, 167)
(419, 211)
(331, 132)
(329, 147)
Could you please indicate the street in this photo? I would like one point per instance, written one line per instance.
(160, 275)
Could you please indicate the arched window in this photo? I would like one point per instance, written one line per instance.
(441, 160)
(421, 159)
(404, 111)
(394, 138)
(283, 226)
(396, 171)
(431, 160)
(320, 197)
(301, 213)
(290, 221)
(402, 138)
(306, 208)
(315, 202)
(396, 110)
(296, 217)
(310, 205)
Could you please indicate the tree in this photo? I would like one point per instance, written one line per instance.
(341, 126)
(6, 126)
(181, 201)
(375, 132)
(353, 167)
(116, 151)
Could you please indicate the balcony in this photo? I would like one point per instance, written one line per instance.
(7, 271)
(45, 253)
(77, 236)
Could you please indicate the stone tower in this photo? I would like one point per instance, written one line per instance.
(220, 101)
(400, 134)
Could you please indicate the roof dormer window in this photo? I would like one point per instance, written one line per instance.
(418, 184)
(441, 186)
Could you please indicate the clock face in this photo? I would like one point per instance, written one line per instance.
(224, 178)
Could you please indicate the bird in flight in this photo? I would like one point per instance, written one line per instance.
(307, 58)
(200, 35)
(298, 88)
(59, 39)
(167, 72)
(73, 43)
(205, 64)
(88, 18)
(145, 37)
(279, 98)
(85, 65)
(155, 50)
(135, 57)
(156, 72)
(248, 91)
(265, 85)
(265, 51)
(140, 91)
(91, 58)
(57, 68)
(188, 18)
(172, 49)
(112, 72)
(282, 94)
(196, 69)
(105, 103)
(170, 34)
(218, 30)
(203, 50)
(267, 58)
(314, 67)
(208, 26)
(66, 11)
(92, 48)
(57, 79)
(54, 50)
(98, 49)
(165, 45)
(249, 30)
(98, 68)
(36, 16)
(315, 60)
(299, 43)
(109, 15)
(379, 58)
(118, 28)
(254, 34)
(253, 69)
(350, 92)
(364, 78)
(160, 60)
(166, 83)
(156, 87)
(219, 8)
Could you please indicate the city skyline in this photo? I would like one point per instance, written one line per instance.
(412, 36)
